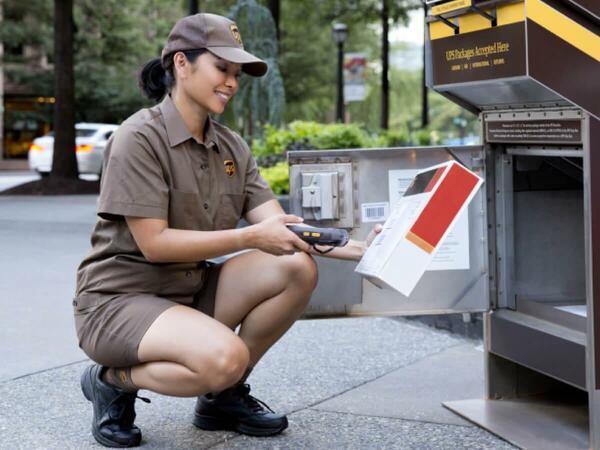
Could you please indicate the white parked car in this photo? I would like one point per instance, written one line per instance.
(90, 141)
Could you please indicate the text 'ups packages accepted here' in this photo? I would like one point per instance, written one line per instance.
(417, 226)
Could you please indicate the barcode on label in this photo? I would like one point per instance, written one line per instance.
(378, 211)
(375, 212)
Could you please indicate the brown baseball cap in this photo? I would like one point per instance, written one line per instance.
(217, 34)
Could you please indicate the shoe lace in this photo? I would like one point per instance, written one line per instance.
(122, 406)
(254, 404)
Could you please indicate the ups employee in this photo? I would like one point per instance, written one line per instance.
(150, 310)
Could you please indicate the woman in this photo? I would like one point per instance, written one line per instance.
(150, 309)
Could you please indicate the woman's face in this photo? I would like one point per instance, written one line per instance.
(210, 81)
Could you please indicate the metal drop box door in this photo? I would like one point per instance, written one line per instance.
(366, 182)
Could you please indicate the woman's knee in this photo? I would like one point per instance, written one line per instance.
(226, 364)
(302, 268)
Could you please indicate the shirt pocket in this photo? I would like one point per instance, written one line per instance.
(186, 211)
(229, 211)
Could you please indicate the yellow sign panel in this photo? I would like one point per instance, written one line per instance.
(564, 27)
(450, 6)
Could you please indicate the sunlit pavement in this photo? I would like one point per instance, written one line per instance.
(360, 383)
(12, 179)
(9, 179)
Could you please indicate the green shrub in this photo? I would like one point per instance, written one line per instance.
(301, 135)
(277, 177)
(270, 151)
(425, 137)
(342, 136)
(397, 137)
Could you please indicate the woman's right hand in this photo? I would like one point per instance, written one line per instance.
(272, 236)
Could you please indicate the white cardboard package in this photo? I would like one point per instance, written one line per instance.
(417, 226)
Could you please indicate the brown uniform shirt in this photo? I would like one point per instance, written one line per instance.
(154, 168)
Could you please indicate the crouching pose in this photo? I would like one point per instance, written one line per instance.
(151, 309)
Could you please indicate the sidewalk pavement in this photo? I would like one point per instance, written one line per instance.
(358, 383)
(14, 164)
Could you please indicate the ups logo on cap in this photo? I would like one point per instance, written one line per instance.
(229, 167)
(235, 33)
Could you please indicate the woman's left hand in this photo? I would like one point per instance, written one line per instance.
(372, 235)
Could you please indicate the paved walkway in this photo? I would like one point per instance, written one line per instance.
(360, 383)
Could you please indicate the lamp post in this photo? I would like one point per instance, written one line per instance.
(340, 31)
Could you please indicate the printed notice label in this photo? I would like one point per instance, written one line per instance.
(454, 252)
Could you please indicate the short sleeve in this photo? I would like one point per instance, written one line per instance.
(132, 180)
(257, 190)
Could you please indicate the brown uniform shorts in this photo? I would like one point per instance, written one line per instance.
(111, 327)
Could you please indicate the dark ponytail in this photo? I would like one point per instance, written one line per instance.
(154, 80)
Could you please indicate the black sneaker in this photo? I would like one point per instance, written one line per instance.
(236, 410)
(114, 410)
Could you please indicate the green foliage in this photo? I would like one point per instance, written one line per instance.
(342, 136)
(277, 177)
(113, 39)
(259, 100)
(20, 27)
(308, 53)
(397, 137)
(301, 135)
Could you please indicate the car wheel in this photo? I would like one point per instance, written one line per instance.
(43, 174)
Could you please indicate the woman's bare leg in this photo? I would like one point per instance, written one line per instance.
(265, 294)
(188, 353)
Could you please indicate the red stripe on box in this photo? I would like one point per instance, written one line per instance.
(444, 205)
(435, 179)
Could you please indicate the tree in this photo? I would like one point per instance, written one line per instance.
(307, 51)
(1, 87)
(424, 89)
(275, 8)
(64, 162)
(259, 100)
(384, 11)
(308, 55)
(385, 64)
(112, 40)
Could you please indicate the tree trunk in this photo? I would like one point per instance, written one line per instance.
(64, 163)
(424, 91)
(274, 7)
(193, 7)
(385, 50)
(1, 92)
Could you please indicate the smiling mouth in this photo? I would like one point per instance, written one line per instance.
(223, 96)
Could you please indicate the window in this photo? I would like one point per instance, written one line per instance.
(84, 132)
(79, 132)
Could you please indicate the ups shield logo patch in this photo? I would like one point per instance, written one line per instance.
(229, 167)
(235, 33)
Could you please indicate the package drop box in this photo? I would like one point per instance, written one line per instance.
(417, 226)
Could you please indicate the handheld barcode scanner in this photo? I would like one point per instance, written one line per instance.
(334, 237)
